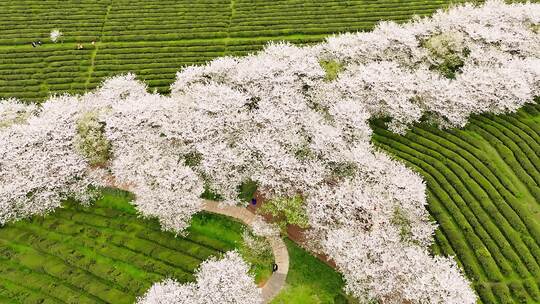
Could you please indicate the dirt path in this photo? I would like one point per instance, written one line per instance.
(277, 280)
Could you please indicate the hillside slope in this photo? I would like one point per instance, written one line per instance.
(155, 39)
(483, 191)
(104, 253)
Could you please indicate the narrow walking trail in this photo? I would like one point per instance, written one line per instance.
(277, 280)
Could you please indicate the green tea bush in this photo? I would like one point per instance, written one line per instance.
(331, 68)
(484, 292)
(486, 221)
(91, 140)
(98, 253)
(532, 289)
(287, 211)
(502, 293)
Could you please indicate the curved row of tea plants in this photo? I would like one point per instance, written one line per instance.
(104, 253)
(484, 192)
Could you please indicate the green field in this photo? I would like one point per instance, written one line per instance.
(104, 253)
(155, 38)
(484, 192)
(310, 281)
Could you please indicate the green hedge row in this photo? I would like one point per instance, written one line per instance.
(522, 143)
(118, 231)
(526, 144)
(481, 242)
(473, 155)
(519, 121)
(95, 266)
(44, 285)
(476, 199)
(510, 156)
(136, 54)
(531, 286)
(156, 62)
(484, 292)
(112, 37)
(523, 212)
(441, 240)
(510, 151)
(476, 178)
(27, 96)
(153, 225)
(146, 30)
(520, 129)
(380, 8)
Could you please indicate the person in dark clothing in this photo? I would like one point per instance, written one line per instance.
(274, 267)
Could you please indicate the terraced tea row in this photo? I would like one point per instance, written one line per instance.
(157, 38)
(24, 21)
(122, 20)
(483, 184)
(33, 73)
(282, 17)
(103, 253)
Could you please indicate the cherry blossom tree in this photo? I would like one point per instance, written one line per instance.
(392, 273)
(39, 165)
(55, 35)
(224, 281)
(14, 112)
(261, 228)
(146, 159)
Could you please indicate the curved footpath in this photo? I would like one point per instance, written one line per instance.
(281, 256)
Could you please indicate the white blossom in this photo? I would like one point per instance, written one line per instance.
(39, 164)
(396, 274)
(13, 111)
(224, 281)
(55, 35)
(262, 228)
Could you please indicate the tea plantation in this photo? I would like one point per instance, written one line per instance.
(103, 253)
(483, 181)
(484, 192)
(156, 38)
